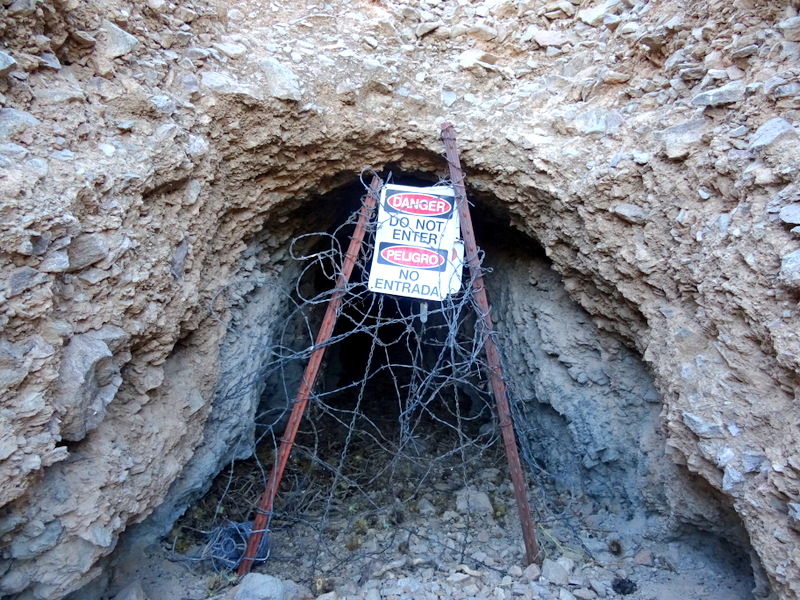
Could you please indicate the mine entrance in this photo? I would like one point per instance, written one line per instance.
(398, 469)
(400, 420)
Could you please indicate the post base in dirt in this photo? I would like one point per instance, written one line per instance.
(309, 378)
(496, 379)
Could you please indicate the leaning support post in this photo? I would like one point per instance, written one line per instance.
(492, 354)
(309, 378)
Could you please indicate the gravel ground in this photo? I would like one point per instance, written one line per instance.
(458, 538)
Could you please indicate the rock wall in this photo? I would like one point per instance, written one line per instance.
(650, 147)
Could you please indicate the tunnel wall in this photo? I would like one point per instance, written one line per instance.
(587, 408)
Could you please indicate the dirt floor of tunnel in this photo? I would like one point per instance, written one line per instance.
(457, 538)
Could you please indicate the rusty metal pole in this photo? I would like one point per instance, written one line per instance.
(309, 378)
(492, 354)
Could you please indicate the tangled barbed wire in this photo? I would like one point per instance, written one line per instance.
(401, 409)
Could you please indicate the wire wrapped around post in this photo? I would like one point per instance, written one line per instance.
(496, 380)
(309, 377)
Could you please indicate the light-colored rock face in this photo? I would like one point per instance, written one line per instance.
(651, 148)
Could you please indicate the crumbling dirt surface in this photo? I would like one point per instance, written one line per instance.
(649, 147)
(457, 537)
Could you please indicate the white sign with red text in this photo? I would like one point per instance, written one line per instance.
(418, 253)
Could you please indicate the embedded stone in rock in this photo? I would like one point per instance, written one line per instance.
(745, 51)
(595, 15)
(7, 64)
(178, 261)
(772, 131)
(118, 42)
(83, 38)
(12, 371)
(111, 335)
(282, 83)
(790, 269)
(58, 95)
(771, 84)
(482, 32)
(55, 262)
(528, 141)
(790, 214)
(219, 82)
(37, 538)
(88, 381)
(731, 478)
(597, 120)
(448, 97)
(680, 139)
(163, 104)
(727, 94)
(788, 93)
(14, 151)
(86, 249)
(794, 515)
(469, 59)
(790, 29)
(701, 427)
(753, 462)
(424, 29)
(230, 49)
(23, 7)
(50, 61)
(23, 279)
(544, 37)
(630, 213)
(185, 15)
(13, 121)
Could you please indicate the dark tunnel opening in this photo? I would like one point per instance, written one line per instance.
(391, 324)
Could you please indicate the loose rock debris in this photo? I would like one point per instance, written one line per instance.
(432, 547)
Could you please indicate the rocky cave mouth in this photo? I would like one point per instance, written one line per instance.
(368, 477)
(158, 159)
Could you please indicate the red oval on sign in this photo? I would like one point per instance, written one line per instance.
(422, 205)
(410, 256)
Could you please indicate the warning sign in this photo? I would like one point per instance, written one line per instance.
(417, 248)
(420, 205)
(411, 256)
